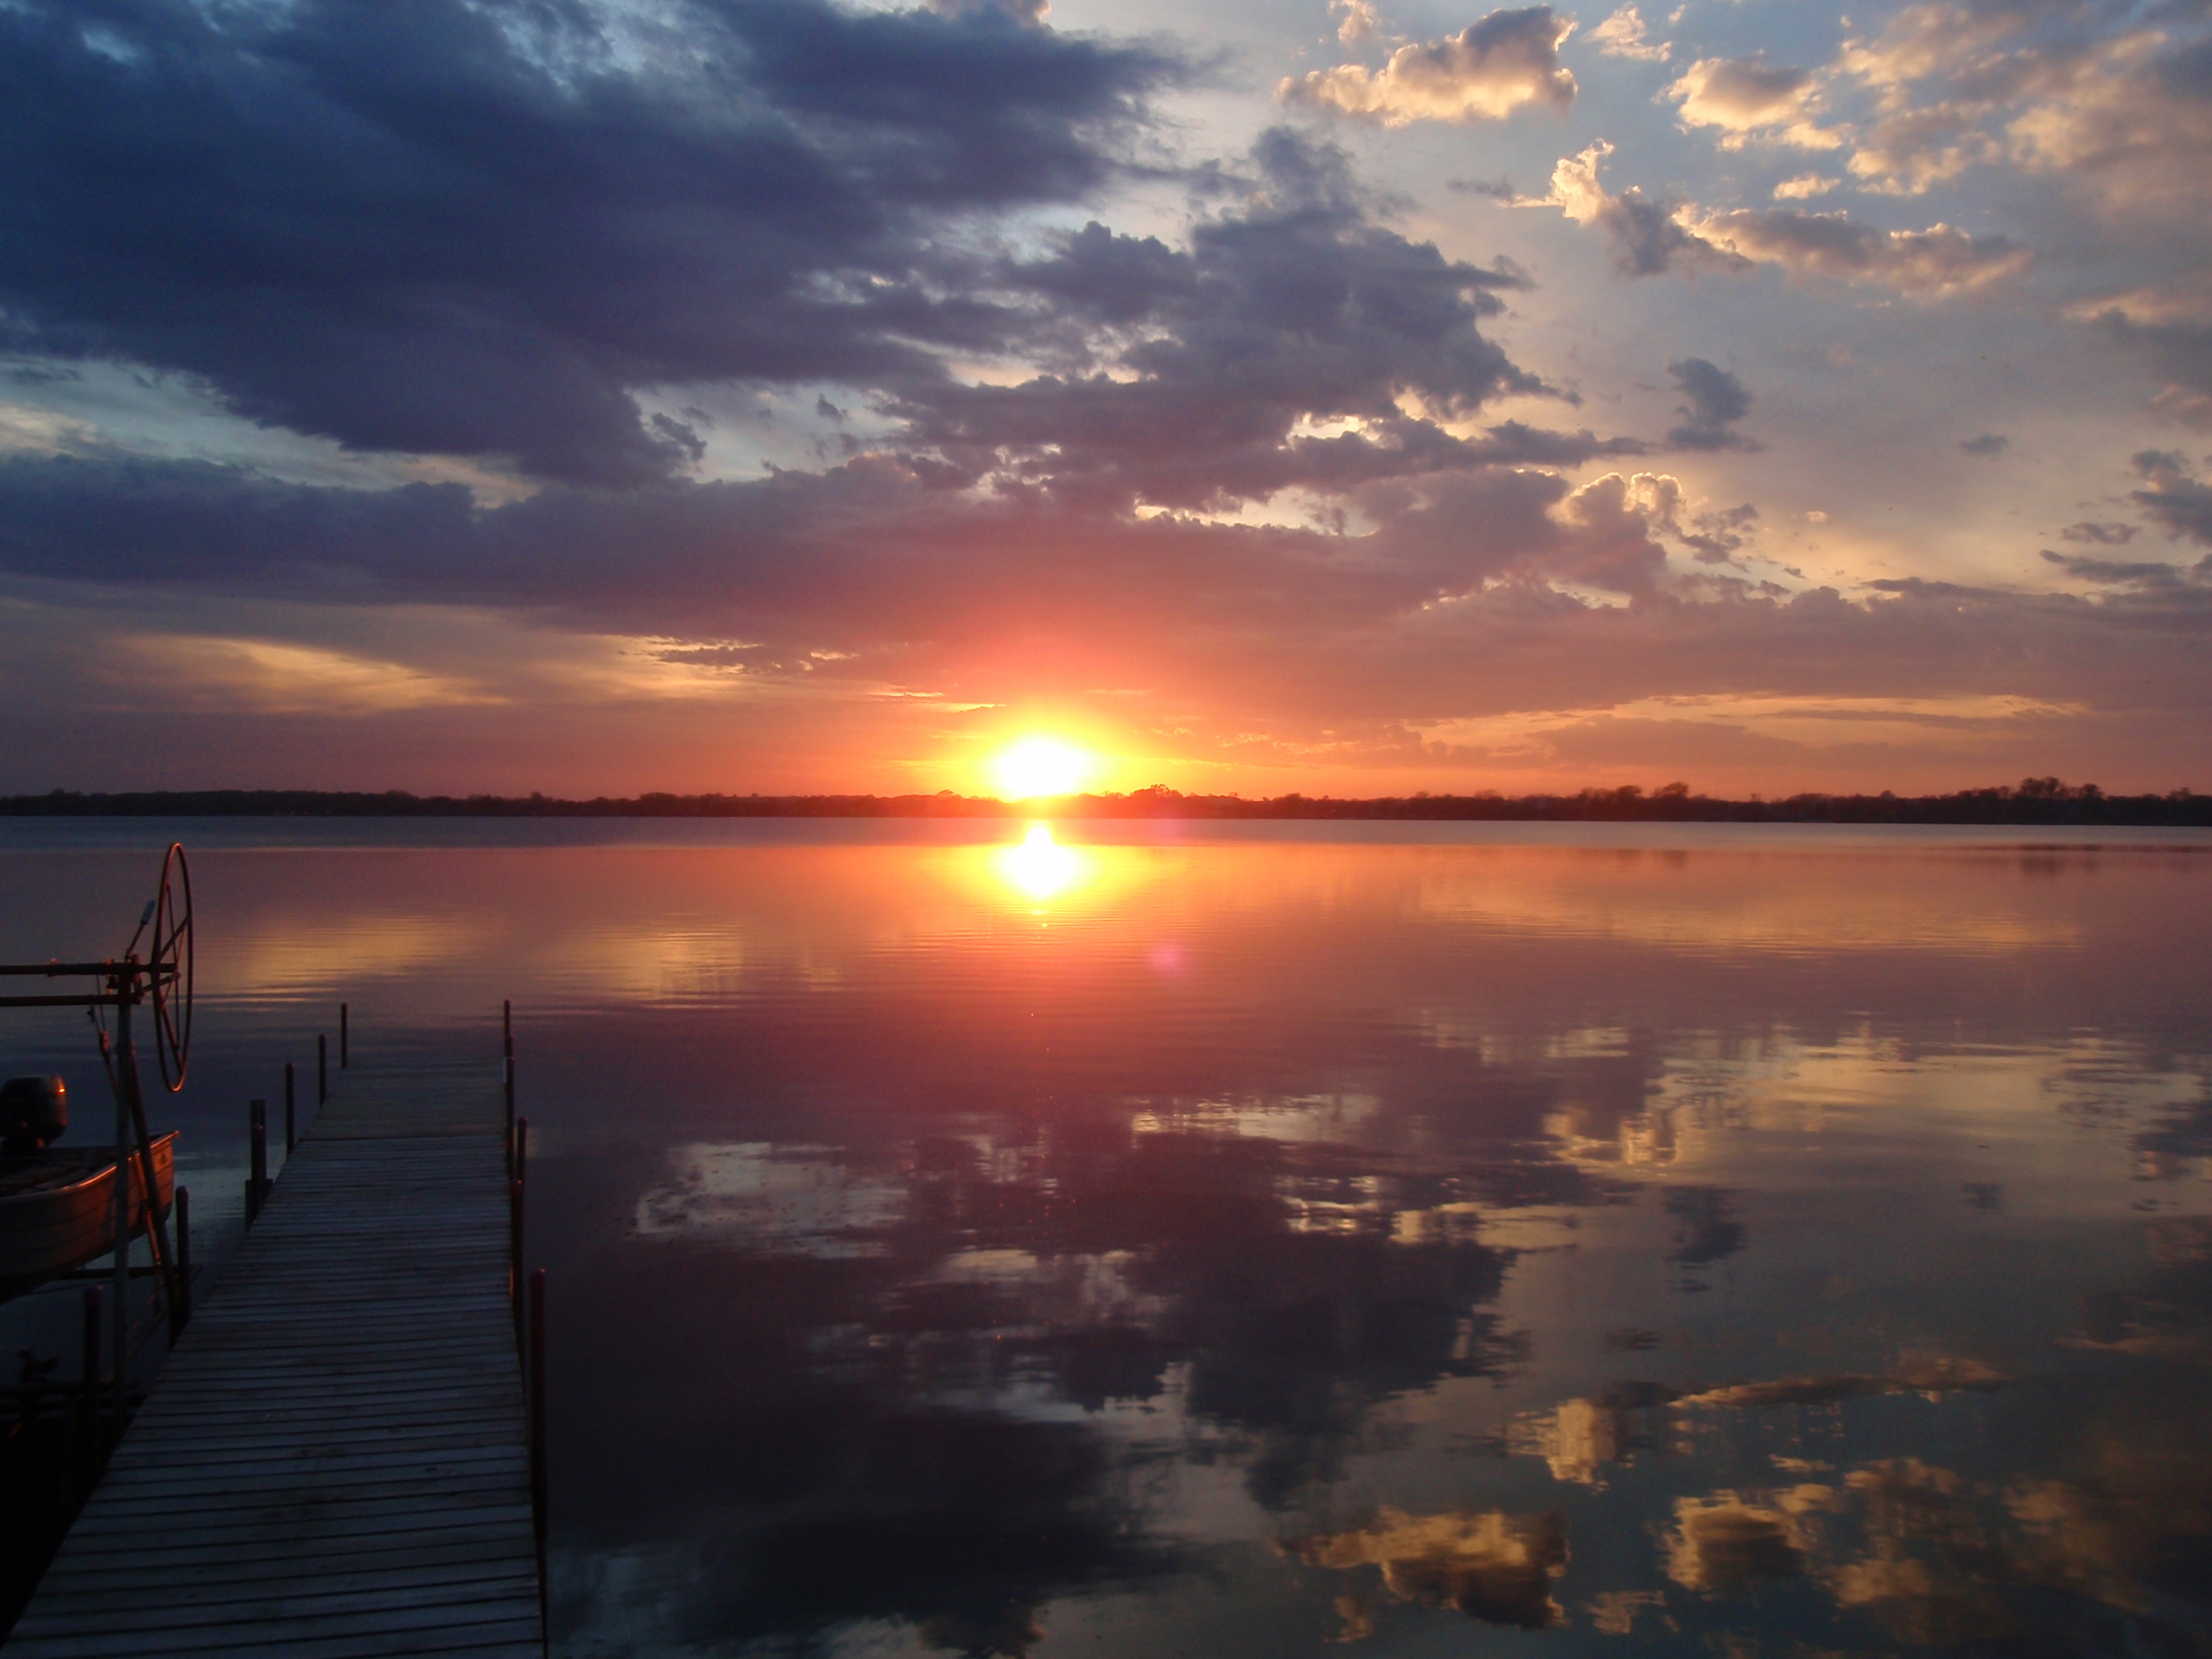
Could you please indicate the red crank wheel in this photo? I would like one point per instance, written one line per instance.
(172, 961)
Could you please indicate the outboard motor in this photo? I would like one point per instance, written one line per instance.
(33, 1113)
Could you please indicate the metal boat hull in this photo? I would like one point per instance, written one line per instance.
(65, 1222)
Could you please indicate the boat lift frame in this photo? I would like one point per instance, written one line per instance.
(165, 981)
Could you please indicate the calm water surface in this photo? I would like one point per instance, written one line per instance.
(1248, 1242)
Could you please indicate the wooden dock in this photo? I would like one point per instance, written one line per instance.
(334, 1461)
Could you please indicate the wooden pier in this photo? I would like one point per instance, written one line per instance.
(335, 1460)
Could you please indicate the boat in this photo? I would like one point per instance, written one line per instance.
(58, 1208)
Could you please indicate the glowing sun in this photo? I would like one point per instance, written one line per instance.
(1040, 766)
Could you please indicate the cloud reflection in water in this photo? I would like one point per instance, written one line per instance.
(1296, 1242)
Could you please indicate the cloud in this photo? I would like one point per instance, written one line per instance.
(2172, 496)
(1284, 348)
(1745, 97)
(2126, 122)
(1475, 593)
(1484, 73)
(1941, 262)
(2122, 123)
(1987, 447)
(2114, 573)
(1715, 401)
(1909, 151)
(1361, 21)
(1650, 237)
(1490, 1564)
(1623, 35)
(2169, 327)
(479, 229)
(1721, 1543)
(2103, 535)
(269, 677)
(1647, 236)
(1032, 12)
(1803, 186)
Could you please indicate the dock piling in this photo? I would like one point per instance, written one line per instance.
(515, 1255)
(344, 1046)
(537, 1473)
(257, 1152)
(289, 1123)
(507, 1076)
(184, 1210)
(87, 1419)
(514, 1224)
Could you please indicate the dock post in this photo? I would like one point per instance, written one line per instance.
(288, 1081)
(322, 1070)
(507, 1076)
(183, 1208)
(87, 1418)
(257, 1152)
(514, 1242)
(538, 1480)
(343, 1047)
(515, 1255)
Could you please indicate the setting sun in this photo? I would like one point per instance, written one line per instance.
(1042, 766)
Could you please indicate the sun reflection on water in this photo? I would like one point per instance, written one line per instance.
(1039, 866)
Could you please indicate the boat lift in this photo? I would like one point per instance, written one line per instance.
(136, 1169)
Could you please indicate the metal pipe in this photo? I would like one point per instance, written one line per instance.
(149, 1187)
(129, 966)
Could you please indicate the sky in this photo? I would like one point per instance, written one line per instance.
(1354, 398)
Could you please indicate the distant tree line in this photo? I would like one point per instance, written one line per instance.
(2032, 801)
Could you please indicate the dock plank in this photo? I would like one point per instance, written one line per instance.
(334, 1462)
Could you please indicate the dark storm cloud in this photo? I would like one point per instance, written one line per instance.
(474, 230)
(1716, 400)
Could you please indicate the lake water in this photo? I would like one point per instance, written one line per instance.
(1248, 1240)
